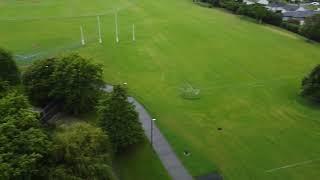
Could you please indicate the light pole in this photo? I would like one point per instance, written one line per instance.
(151, 139)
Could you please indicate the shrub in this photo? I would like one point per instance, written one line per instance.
(290, 27)
(311, 85)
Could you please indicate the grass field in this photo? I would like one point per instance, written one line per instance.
(249, 76)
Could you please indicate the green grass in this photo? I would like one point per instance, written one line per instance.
(249, 76)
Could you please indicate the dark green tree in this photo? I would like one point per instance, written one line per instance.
(8, 69)
(4, 86)
(81, 151)
(72, 79)
(37, 81)
(311, 85)
(23, 144)
(311, 27)
(118, 117)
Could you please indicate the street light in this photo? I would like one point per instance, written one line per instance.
(152, 131)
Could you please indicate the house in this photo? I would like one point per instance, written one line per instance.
(276, 7)
(283, 7)
(315, 3)
(263, 2)
(298, 15)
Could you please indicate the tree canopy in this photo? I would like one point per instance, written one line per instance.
(37, 81)
(311, 85)
(118, 117)
(8, 69)
(23, 144)
(311, 28)
(81, 151)
(72, 79)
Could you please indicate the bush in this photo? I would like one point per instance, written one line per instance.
(290, 27)
(273, 18)
(230, 5)
(311, 85)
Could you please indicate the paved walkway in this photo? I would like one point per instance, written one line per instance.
(161, 146)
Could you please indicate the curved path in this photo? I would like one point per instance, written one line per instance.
(161, 146)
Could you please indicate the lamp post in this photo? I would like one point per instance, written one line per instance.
(151, 139)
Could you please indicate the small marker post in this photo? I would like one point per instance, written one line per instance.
(99, 29)
(133, 33)
(82, 36)
(116, 21)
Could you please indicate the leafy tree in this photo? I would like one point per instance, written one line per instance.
(71, 79)
(37, 81)
(311, 28)
(23, 144)
(118, 117)
(311, 85)
(4, 86)
(8, 69)
(81, 151)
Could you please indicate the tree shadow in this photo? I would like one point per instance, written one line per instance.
(308, 102)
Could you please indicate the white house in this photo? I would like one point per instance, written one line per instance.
(263, 2)
(315, 3)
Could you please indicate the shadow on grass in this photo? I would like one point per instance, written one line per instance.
(308, 102)
(139, 162)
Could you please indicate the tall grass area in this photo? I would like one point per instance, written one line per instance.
(248, 74)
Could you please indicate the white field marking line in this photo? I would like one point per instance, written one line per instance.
(292, 165)
(57, 49)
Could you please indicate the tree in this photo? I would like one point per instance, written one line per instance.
(72, 79)
(311, 85)
(81, 151)
(311, 27)
(23, 144)
(8, 69)
(37, 81)
(118, 117)
(4, 86)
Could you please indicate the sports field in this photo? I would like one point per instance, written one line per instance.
(248, 75)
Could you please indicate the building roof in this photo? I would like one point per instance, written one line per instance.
(300, 14)
(276, 4)
(291, 7)
(285, 6)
